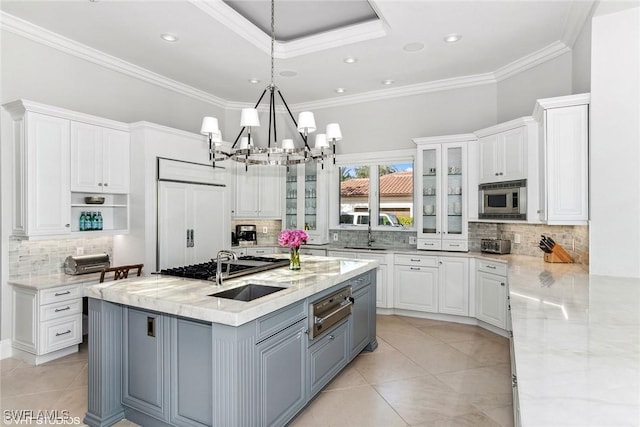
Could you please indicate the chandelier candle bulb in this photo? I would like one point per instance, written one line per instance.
(287, 144)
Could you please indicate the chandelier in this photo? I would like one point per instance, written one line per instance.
(287, 153)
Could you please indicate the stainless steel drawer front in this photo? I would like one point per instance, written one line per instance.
(328, 311)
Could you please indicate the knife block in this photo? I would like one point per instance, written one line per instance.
(558, 254)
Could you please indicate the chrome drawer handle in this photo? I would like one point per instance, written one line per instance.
(493, 267)
(63, 333)
(62, 293)
(57, 310)
(415, 260)
(332, 337)
(414, 268)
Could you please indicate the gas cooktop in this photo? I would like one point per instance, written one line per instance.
(242, 266)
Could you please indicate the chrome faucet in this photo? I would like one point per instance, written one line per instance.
(223, 255)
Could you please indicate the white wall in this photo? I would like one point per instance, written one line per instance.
(518, 94)
(581, 60)
(615, 143)
(40, 73)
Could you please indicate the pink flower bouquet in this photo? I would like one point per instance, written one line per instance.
(292, 238)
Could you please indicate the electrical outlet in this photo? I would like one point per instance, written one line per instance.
(265, 230)
(573, 244)
(79, 250)
(516, 238)
(412, 240)
(335, 237)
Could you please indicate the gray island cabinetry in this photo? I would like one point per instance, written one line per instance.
(209, 365)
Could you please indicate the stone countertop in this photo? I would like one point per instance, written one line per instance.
(48, 281)
(577, 345)
(190, 298)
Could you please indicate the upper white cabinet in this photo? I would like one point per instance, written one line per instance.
(442, 192)
(306, 201)
(41, 194)
(99, 159)
(258, 192)
(502, 150)
(564, 157)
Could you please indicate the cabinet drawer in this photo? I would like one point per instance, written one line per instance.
(460, 246)
(327, 356)
(314, 252)
(342, 254)
(429, 245)
(492, 267)
(260, 251)
(360, 281)
(381, 258)
(60, 333)
(281, 319)
(416, 260)
(61, 293)
(61, 309)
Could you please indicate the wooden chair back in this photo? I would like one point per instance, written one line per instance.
(121, 272)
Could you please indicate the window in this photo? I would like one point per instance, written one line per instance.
(382, 189)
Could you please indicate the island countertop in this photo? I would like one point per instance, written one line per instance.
(191, 298)
(577, 345)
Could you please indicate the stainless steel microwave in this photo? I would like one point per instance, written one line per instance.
(503, 200)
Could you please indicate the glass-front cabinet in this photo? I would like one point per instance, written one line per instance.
(442, 192)
(306, 201)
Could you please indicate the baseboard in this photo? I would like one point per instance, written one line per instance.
(6, 350)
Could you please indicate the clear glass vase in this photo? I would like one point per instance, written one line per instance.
(294, 261)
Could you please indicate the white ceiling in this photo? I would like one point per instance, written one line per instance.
(218, 51)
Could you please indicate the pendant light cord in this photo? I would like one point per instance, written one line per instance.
(273, 38)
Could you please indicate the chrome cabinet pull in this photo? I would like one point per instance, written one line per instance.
(62, 293)
(57, 310)
(414, 268)
(493, 267)
(63, 333)
(332, 337)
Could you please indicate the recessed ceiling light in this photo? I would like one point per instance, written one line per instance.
(340, 90)
(350, 60)
(452, 38)
(169, 37)
(288, 73)
(254, 81)
(388, 82)
(413, 47)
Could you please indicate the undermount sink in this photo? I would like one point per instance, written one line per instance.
(247, 292)
(365, 248)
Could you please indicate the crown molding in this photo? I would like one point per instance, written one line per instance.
(408, 90)
(534, 59)
(462, 137)
(505, 126)
(559, 102)
(227, 16)
(43, 36)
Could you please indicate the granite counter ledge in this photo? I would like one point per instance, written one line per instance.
(191, 298)
(46, 281)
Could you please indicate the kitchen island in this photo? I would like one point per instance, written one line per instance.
(163, 351)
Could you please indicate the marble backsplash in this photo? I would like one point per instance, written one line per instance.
(565, 235)
(39, 257)
(273, 228)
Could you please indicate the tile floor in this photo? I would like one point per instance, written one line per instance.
(424, 373)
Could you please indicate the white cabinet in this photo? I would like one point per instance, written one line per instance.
(47, 323)
(258, 192)
(306, 201)
(99, 159)
(491, 293)
(453, 286)
(416, 288)
(41, 172)
(193, 219)
(503, 155)
(384, 290)
(441, 192)
(564, 159)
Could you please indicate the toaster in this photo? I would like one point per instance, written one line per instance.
(495, 246)
(84, 264)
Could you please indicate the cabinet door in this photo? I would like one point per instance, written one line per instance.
(488, 158)
(514, 145)
(416, 288)
(246, 191)
(327, 356)
(49, 198)
(567, 165)
(491, 299)
(86, 158)
(269, 182)
(453, 291)
(381, 287)
(115, 161)
(454, 195)
(144, 370)
(429, 163)
(208, 218)
(282, 375)
(359, 321)
(172, 224)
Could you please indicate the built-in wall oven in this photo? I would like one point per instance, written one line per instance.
(503, 200)
(328, 311)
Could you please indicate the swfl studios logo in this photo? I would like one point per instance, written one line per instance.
(40, 417)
